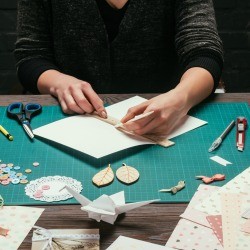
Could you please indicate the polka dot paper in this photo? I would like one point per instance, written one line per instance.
(200, 195)
(19, 221)
(233, 237)
(215, 222)
(240, 184)
(246, 227)
(191, 236)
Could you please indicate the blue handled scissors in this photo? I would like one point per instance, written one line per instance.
(24, 113)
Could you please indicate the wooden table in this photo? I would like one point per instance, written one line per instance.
(153, 223)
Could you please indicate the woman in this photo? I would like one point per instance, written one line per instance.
(76, 49)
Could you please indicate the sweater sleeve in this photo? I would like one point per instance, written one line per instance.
(34, 45)
(197, 41)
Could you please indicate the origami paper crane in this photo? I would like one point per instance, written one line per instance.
(106, 208)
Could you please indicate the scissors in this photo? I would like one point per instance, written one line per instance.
(24, 113)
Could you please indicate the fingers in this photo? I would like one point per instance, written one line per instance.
(134, 111)
(95, 100)
(79, 97)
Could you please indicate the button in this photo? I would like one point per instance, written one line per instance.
(15, 181)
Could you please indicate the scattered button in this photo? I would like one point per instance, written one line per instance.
(15, 181)
(28, 171)
(35, 164)
(24, 181)
(5, 182)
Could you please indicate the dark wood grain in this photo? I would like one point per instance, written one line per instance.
(153, 223)
(113, 98)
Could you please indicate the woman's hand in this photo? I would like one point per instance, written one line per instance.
(169, 109)
(74, 95)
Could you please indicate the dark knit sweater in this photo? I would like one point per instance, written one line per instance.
(157, 41)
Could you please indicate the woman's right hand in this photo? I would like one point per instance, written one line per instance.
(74, 95)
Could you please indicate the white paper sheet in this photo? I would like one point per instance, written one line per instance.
(125, 243)
(97, 138)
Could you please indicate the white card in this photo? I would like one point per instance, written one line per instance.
(97, 138)
(125, 243)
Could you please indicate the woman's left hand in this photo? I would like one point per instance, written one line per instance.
(169, 109)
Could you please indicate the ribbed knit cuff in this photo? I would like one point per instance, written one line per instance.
(210, 65)
(29, 71)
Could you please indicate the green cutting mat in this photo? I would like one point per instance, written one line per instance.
(159, 167)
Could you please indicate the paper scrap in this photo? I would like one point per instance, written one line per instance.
(246, 214)
(246, 227)
(18, 220)
(125, 243)
(220, 160)
(233, 238)
(200, 195)
(98, 138)
(189, 235)
(215, 222)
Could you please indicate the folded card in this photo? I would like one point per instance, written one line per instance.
(97, 138)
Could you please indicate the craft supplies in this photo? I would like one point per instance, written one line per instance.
(175, 189)
(18, 220)
(127, 174)
(109, 139)
(63, 239)
(220, 160)
(218, 141)
(11, 174)
(126, 243)
(35, 164)
(207, 180)
(136, 118)
(104, 177)
(6, 133)
(51, 188)
(106, 207)
(24, 113)
(241, 132)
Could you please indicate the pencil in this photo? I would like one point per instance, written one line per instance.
(6, 133)
(136, 118)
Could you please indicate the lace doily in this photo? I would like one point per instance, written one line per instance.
(50, 188)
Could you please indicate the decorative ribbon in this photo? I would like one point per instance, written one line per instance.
(42, 234)
(216, 177)
(175, 189)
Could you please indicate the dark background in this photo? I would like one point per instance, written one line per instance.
(233, 20)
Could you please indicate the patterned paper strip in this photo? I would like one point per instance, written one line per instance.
(216, 224)
(233, 238)
(193, 214)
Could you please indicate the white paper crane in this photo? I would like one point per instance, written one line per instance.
(106, 208)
